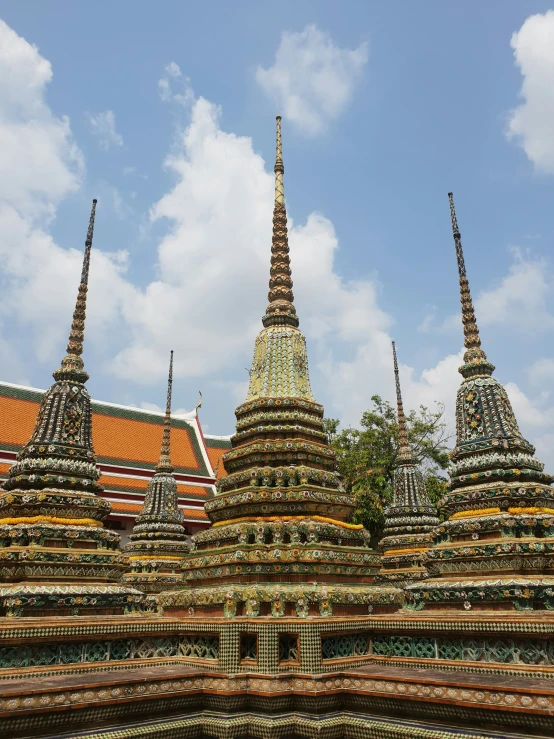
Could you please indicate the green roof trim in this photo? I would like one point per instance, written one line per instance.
(19, 393)
(217, 443)
(9, 447)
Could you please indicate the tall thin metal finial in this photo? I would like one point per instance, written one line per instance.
(72, 364)
(279, 168)
(164, 462)
(404, 449)
(475, 358)
(280, 310)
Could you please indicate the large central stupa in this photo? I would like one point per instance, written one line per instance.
(281, 543)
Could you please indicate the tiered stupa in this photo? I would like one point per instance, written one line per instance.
(409, 521)
(55, 555)
(495, 548)
(158, 542)
(281, 542)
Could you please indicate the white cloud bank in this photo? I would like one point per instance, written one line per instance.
(172, 80)
(532, 122)
(312, 79)
(219, 234)
(102, 127)
(213, 264)
(40, 165)
(520, 301)
(39, 160)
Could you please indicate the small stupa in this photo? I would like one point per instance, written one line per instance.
(494, 548)
(56, 558)
(410, 519)
(158, 542)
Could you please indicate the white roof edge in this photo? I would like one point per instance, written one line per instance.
(218, 438)
(202, 444)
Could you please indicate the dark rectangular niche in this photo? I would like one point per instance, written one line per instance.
(289, 648)
(248, 647)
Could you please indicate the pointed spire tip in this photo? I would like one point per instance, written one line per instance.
(475, 359)
(404, 449)
(164, 462)
(72, 364)
(280, 310)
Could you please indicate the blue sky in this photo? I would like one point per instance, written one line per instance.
(165, 112)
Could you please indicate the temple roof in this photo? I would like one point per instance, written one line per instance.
(127, 445)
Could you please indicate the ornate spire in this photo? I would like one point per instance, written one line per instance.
(158, 542)
(72, 367)
(410, 518)
(164, 462)
(404, 449)
(475, 359)
(52, 504)
(280, 310)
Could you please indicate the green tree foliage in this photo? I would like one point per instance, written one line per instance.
(367, 457)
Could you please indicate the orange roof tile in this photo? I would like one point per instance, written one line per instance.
(133, 484)
(124, 436)
(215, 455)
(198, 514)
(17, 420)
(118, 507)
(139, 441)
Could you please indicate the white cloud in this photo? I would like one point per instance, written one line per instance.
(521, 299)
(47, 315)
(532, 122)
(312, 80)
(171, 80)
(121, 208)
(219, 234)
(40, 164)
(545, 450)
(527, 412)
(102, 126)
(39, 160)
(541, 371)
(212, 272)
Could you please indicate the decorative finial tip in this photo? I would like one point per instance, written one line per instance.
(94, 200)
